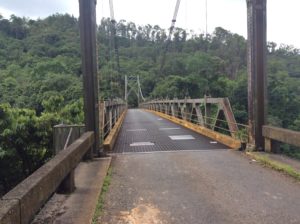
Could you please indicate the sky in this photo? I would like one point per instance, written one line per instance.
(282, 18)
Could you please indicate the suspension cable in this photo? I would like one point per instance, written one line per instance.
(170, 35)
(114, 41)
(140, 89)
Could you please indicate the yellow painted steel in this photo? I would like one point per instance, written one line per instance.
(224, 139)
(110, 140)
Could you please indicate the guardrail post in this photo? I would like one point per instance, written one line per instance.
(101, 124)
(274, 136)
(115, 115)
(272, 145)
(172, 110)
(110, 118)
(68, 184)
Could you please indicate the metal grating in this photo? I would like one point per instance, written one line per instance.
(157, 132)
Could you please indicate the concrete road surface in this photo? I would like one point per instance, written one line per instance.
(209, 185)
(198, 187)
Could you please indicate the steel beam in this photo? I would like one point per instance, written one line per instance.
(90, 67)
(126, 88)
(256, 10)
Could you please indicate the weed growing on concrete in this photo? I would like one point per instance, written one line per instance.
(266, 161)
(100, 204)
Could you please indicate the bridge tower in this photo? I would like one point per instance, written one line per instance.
(90, 68)
(133, 82)
(256, 60)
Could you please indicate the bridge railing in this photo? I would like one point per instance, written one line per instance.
(71, 144)
(213, 113)
(20, 205)
(109, 113)
(64, 135)
(274, 136)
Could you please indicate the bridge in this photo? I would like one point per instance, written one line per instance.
(173, 161)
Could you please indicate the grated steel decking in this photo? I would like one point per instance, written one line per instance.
(145, 132)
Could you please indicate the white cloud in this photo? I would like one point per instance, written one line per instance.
(283, 19)
(229, 14)
(36, 8)
(5, 12)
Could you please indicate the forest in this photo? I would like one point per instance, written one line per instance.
(41, 79)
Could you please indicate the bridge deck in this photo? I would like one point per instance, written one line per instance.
(146, 132)
(201, 186)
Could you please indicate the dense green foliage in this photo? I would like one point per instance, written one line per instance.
(26, 139)
(41, 78)
(40, 86)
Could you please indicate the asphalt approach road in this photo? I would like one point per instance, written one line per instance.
(195, 185)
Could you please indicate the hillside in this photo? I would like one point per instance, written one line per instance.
(41, 78)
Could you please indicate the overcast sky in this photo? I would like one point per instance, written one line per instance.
(283, 16)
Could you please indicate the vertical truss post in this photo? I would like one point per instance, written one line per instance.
(256, 10)
(89, 67)
(138, 91)
(126, 88)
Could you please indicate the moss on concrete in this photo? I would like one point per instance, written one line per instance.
(100, 204)
(273, 164)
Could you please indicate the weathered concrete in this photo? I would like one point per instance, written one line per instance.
(68, 184)
(79, 207)
(273, 135)
(209, 187)
(9, 212)
(35, 190)
(294, 163)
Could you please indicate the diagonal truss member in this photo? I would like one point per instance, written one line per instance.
(132, 83)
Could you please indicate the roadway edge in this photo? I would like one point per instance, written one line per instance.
(224, 139)
(110, 140)
(78, 207)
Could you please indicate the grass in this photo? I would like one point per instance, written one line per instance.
(281, 167)
(99, 207)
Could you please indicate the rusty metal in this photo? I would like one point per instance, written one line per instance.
(62, 135)
(145, 132)
(90, 67)
(256, 10)
(110, 112)
(275, 135)
(133, 82)
(190, 110)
